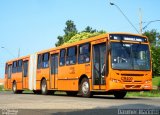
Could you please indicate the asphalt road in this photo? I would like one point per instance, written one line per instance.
(60, 104)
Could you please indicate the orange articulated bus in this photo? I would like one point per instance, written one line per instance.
(112, 63)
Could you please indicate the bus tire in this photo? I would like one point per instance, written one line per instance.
(85, 88)
(120, 94)
(14, 87)
(44, 90)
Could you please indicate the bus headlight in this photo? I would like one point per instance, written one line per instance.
(115, 80)
(147, 81)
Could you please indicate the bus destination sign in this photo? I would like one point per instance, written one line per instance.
(128, 38)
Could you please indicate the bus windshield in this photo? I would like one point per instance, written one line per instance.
(129, 56)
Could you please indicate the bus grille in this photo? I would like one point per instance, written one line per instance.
(132, 75)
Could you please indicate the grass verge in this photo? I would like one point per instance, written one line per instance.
(156, 81)
(1, 87)
(153, 93)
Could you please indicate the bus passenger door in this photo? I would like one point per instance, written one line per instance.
(9, 75)
(54, 71)
(25, 75)
(98, 71)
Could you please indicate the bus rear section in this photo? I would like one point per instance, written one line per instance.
(19, 74)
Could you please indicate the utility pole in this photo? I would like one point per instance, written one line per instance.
(140, 22)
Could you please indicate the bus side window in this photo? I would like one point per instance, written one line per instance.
(39, 61)
(19, 66)
(9, 71)
(84, 53)
(25, 63)
(62, 57)
(71, 55)
(14, 67)
(45, 60)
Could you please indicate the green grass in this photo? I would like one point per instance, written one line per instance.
(156, 81)
(153, 93)
(1, 87)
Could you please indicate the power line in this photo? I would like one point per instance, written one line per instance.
(124, 16)
(149, 23)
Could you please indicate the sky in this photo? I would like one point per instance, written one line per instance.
(28, 26)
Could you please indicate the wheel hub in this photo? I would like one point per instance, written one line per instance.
(85, 87)
(43, 87)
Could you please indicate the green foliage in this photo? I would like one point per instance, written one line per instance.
(60, 41)
(70, 27)
(1, 87)
(70, 30)
(153, 93)
(156, 81)
(155, 51)
(72, 35)
(153, 37)
(89, 29)
(83, 35)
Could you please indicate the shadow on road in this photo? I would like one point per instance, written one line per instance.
(126, 109)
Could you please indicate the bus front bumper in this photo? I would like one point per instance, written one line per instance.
(114, 85)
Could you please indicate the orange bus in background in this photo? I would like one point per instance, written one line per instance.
(112, 63)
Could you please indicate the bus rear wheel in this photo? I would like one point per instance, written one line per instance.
(14, 88)
(120, 94)
(85, 88)
(44, 90)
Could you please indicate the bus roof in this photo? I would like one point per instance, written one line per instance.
(78, 42)
(88, 40)
(19, 58)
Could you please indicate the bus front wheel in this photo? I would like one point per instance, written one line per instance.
(120, 94)
(85, 88)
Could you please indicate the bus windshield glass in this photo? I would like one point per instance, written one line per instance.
(127, 56)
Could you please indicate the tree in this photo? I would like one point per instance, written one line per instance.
(72, 35)
(155, 50)
(152, 36)
(89, 30)
(60, 41)
(70, 27)
(70, 30)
